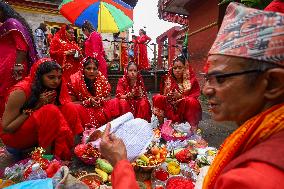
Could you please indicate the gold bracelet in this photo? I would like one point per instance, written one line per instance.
(28, 112)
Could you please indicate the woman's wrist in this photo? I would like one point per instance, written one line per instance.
(129, 95)
(87, 103)
(28, 112)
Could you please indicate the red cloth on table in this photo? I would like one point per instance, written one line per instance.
(9, 44)
(140, 107)
(59, 44)
(261, 167)
(94, 48)
(49, 125)
(188, 108)
(275, 6)
(94, 115)
(142, 61)
(123, 176)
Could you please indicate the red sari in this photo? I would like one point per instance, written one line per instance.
(275, 6)
(13, 37)
(140, 107)
(96, 116)
(94, 48)
(135, 50)
(142, 58)
(50, 125)
(123, 54)
(188, 107)
(59, 44)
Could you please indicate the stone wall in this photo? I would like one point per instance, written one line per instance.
(35, 18)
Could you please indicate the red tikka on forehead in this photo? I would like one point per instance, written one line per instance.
(206, 66)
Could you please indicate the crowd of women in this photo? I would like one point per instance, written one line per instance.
(49, 101)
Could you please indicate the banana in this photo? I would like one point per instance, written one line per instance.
(140, 162)
(144, 158)
(102, 174)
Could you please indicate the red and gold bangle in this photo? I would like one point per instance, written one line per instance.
(28, 112)
(87, 103)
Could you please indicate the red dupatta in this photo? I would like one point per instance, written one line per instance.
(26, 84)
(78, 87)
(189, 87)
(127, 88)
(61, 43)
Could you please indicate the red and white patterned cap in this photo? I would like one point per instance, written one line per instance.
(251, 33)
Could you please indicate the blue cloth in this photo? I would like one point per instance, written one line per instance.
(17, 153)
(33, 184)
(131, 53)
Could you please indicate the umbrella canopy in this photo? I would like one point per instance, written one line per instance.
(107, 16)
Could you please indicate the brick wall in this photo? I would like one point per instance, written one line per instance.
(202, 13)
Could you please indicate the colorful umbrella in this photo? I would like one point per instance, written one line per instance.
(107, 16)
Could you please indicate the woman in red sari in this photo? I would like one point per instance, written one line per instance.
(65, 51)
(123, 53)
(133, 49)
(131, 90)
(142, 59)
(90, 90)
(39, 112)
(178, 99)
(17, 51)
(94, 46)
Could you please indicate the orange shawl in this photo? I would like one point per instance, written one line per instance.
(255, 130)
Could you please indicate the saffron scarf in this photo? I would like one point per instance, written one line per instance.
(255, 130)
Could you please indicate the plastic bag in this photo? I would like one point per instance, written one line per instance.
(33, 184)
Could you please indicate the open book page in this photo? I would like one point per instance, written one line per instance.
(137, 135)
(118, 122)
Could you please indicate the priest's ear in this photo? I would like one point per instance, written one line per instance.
(275, 84)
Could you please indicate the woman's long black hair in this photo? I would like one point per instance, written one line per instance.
(88, 26)
(38, 87)
(9, 12)
(89, 83)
